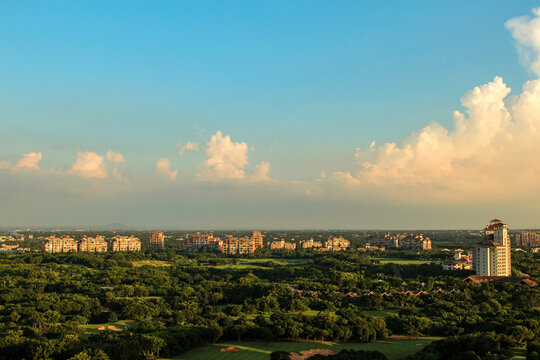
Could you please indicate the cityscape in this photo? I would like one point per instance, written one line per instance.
(270, 180)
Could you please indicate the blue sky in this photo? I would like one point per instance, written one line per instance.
(303, 83)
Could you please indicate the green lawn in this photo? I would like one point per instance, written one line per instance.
(265, 263)
(401, 261)
(150, 263)
(381, 313)
(394, 349)
(241, 266)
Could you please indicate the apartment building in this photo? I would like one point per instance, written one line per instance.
(125, 243)
(492, 257)
(309, 244)
(528, 238)
(459, 261)
(203, 242)
(93, 244)
(257, 238)
(282, 244)
(336, 242)
(54, 244)
(157, 241)
(401, 241)
(415, 242)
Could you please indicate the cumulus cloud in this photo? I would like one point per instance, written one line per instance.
(226, 159)
(526, 31)
(89, 165)
(492, 149)
(29, 161)
(163, 166)
(190, 146)
(115, 157)
(261, 172)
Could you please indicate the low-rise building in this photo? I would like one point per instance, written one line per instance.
(459, 261)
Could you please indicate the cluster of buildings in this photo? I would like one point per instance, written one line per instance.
(491, 258)
(4, 238)
(231, 245)
(54, 244)
(528, 238)
(400, 241)
(282, 244)
(459, 261)
(331, 244)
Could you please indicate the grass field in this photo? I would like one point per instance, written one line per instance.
(394, 349)
(381, 313)
(150, 263)
(266, 263)
(401, 261)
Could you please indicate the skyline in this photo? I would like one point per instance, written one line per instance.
(270, 116)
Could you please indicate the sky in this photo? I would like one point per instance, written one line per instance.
(270, 114)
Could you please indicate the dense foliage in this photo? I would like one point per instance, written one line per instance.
(52, 306)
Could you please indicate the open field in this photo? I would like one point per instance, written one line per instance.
(265, 263)
(381, 313)
(150, 263)
(401, 261)
(394, 349)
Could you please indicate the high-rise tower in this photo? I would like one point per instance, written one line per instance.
(492, 257)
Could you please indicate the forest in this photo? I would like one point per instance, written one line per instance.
(160, 304)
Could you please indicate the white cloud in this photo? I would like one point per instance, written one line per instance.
(29, 161)
(226, 159)
(190, 146)
(115, 157)
(492, 150)
(261, 172)
(89, 165)
(526, 31)
(163, 166)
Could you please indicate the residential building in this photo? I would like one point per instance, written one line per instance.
(415, 242)
(401, 241)
(335, 243)
(125, 243)
(257, 239)
(459, 261)
(157, 241)
(492, 257)
(55, 244)
(308, 244)
(207, 242)
(528, 238)
(282, 244)
(93, 244)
